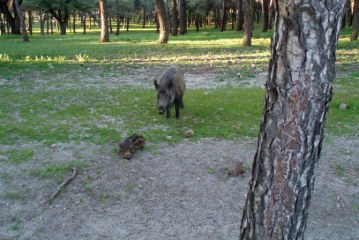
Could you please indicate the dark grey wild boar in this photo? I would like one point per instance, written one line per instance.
(170, 91)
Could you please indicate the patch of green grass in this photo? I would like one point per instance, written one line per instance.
(129, 187)
(211, 170)
(345, 121)
(44, 98)
(355, 206)
(18, 156)
(340, 170)
(6, 177)
(102, 116)
(15, 226)
(57, 171)
(15, 195)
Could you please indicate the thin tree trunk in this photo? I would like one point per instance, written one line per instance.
(355, 29)
(224, 16)
(83, 20)
(74, 22)
(175, 22)
(265, 5)
(240, 16)
(2, 26)
(182, 17)
(144, 17)
(248, 23)
(22, 21)
(163, 22)
(117, 4)
(30, 22)
(299, 89)
(105, 37)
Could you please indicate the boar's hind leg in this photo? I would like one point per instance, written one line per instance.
(181, 103)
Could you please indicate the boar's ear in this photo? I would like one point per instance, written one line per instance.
(156, 84)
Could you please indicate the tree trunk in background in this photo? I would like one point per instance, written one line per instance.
(25, 37)
(13, 21)
(224, 16)
(163, 21)
(83, 20)
(104, 22)
(248, 23)
(74, 22)
(175, 22)
(117, 5)
(299, 89)
(182, 17)
(30, 22)
(265, 5)
(240, 16)
(355, 30)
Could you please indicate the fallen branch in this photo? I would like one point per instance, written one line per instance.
(62, 185)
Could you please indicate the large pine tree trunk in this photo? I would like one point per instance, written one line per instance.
(105, 37)
(299, 89)
(163, 22)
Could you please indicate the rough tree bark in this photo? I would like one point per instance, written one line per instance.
(299, 89)
(355, 30)
(105, 37)
(248, 23)
(163, 22)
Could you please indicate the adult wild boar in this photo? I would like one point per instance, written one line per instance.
(170, 91)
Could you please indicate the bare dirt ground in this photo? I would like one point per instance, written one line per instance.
(167, 191)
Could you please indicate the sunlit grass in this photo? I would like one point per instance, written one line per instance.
(42, 110)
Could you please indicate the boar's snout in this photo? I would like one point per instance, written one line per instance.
(161, 110)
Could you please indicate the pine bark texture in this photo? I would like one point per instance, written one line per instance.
(163, 22)
(299, 89)
(105, 37)
(355, 30)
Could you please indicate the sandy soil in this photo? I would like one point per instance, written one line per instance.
(167, 191)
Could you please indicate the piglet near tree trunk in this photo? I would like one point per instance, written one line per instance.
(170, 91)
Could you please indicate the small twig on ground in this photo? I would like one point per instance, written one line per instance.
(62, 185)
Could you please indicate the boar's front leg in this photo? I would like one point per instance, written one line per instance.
(177, 107)
(168, 113)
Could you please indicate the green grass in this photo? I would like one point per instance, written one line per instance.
(57, 171)
(44, 100)
(17, 156)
